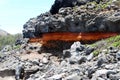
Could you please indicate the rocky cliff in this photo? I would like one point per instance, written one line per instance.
(76, 16)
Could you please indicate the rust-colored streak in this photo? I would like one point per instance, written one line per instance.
(69, 36)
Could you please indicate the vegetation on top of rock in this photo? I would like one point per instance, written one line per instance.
(114, 41)
(104, 44)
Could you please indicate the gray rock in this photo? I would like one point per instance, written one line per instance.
(57, 77)
(63, 63)
(89, 50)
(102, 73)
(113, 49)
(90, 57)
(82, 59)
(41, 64)
(19, 72)
(91, 6)
(99, 78)
(100, 62)
(90, 72)
(77, 49)
(114, 76)
(75, 45)
(73, 77)
(45, 60)
(36, 61)
(69, 20)
(118, 56)
(66, 53)
(7, 74)
(73, 60)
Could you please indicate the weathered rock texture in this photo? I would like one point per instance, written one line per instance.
(68, 3)
(76, 63)
(81, 18)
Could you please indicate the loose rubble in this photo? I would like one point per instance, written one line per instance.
(80, 64)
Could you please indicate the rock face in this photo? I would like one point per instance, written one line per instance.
(81, 18)
(68, 3)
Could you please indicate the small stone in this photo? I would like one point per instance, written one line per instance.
(82, 59)
(73, 77)
(110, 73)
(114, 76)
(63, 63)
(75, 46)
(79, 49)
(113, 50)
(90, 57)
(45, 60)
(66, 53)
(57, 77)
(109, 66)
(102, 72)
(73, 60)
(99, 78)
(90, 72)
(118, 56)
(89, 50)
(36, 61)
(91, 6)
(41, 64)
(100, 62)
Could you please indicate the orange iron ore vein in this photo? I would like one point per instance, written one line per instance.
(69, 36)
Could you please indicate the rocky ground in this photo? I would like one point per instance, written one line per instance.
(77, 63)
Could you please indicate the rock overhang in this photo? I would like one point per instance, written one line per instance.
(73, 20)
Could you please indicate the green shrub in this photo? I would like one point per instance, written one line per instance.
(9, 40)
(103, 5)
(96, 53)
(114, 41)
(105, 43)
(16, 47)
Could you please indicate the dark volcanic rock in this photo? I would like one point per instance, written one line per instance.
(73, 19)
(68, 3)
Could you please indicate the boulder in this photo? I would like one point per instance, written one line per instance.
(7, 74)
(73, 77)
(102, 73)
